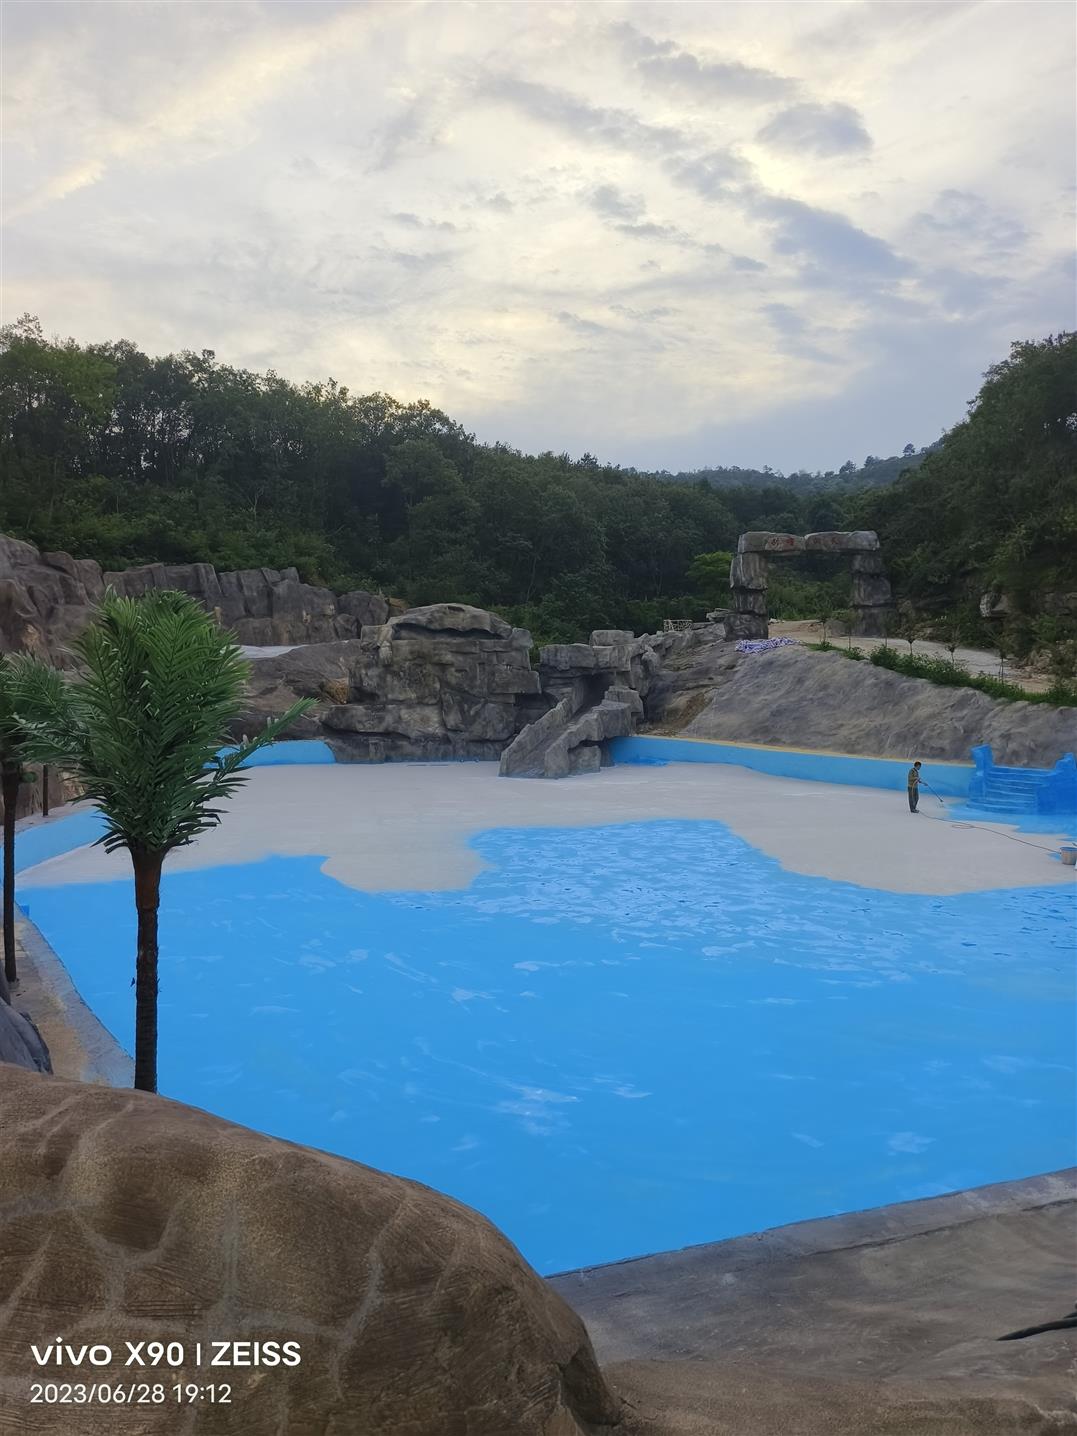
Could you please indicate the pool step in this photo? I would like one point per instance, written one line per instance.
(1012, 790)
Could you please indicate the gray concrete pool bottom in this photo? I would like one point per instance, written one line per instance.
(881, 1321)
(403, 826)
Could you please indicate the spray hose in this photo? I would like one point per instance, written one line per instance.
(979, 826)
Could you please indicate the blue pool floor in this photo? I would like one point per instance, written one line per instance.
(616, 1040)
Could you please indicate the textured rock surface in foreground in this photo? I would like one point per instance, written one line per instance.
(127, 1217)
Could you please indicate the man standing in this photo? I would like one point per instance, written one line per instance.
(914, 786)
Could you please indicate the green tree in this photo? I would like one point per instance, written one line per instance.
(994, 505)
(708, 575)
(141, 731)
(907, 629)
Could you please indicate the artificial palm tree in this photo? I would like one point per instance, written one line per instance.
(16, 671)
(141, 731)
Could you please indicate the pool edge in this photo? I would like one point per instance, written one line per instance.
(636, 1307)
(69, 1026)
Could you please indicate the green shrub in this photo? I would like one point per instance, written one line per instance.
(1062, 693)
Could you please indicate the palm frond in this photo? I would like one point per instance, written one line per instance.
(142, 728)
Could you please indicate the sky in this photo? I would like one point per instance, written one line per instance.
(672, 235)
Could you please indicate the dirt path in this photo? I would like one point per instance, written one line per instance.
(976, 660)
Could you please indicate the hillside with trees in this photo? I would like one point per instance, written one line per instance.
(873, 473)
(111, 454)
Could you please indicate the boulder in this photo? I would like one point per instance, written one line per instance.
(840, 541)
(524, 757)
(444, 681)
(568, 658)
(995, 605)
(451, 618)
(762, 541)
(21, 1043)
(748, 570)
(609, 637)
(127, 1217)
(365, 608)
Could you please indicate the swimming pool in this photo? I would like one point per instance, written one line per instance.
(615, 1039)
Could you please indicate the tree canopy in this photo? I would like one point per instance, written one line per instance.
(113, 455)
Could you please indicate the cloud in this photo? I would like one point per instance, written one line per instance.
(966, 218)
(826, 130)
(202, 114)
(666, 65)
(587, 327)
(412, 221)
(566, 235)
(827, 240)
(408, 259)
(713, 174)
(592, 124)
(418, 127)
(612, 203)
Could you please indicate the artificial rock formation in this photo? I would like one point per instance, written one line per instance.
(445, 681)
(872, 602)
(47, 598)
(792, 697)
(597, 692)
(126, 1217)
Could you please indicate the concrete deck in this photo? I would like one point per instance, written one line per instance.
(885, 1321)
(79, 1045)
(402, 826)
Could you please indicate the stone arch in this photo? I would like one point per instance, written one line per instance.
(872, 601)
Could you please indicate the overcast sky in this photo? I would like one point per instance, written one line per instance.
(673, 235)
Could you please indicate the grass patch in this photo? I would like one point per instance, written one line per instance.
(955, 675)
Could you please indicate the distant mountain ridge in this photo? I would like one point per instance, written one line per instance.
(873, 473)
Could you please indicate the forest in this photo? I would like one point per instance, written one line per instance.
(109, 453)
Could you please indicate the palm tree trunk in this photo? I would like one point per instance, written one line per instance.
(10, 779)
(147, 901)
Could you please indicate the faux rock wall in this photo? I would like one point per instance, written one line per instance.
(445, 681)
(595, 691)
(47, 598)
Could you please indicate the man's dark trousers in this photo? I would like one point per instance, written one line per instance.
(914, 798)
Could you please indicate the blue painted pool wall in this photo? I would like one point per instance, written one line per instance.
(1058, 794)
(950, 780)
(282, 755)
